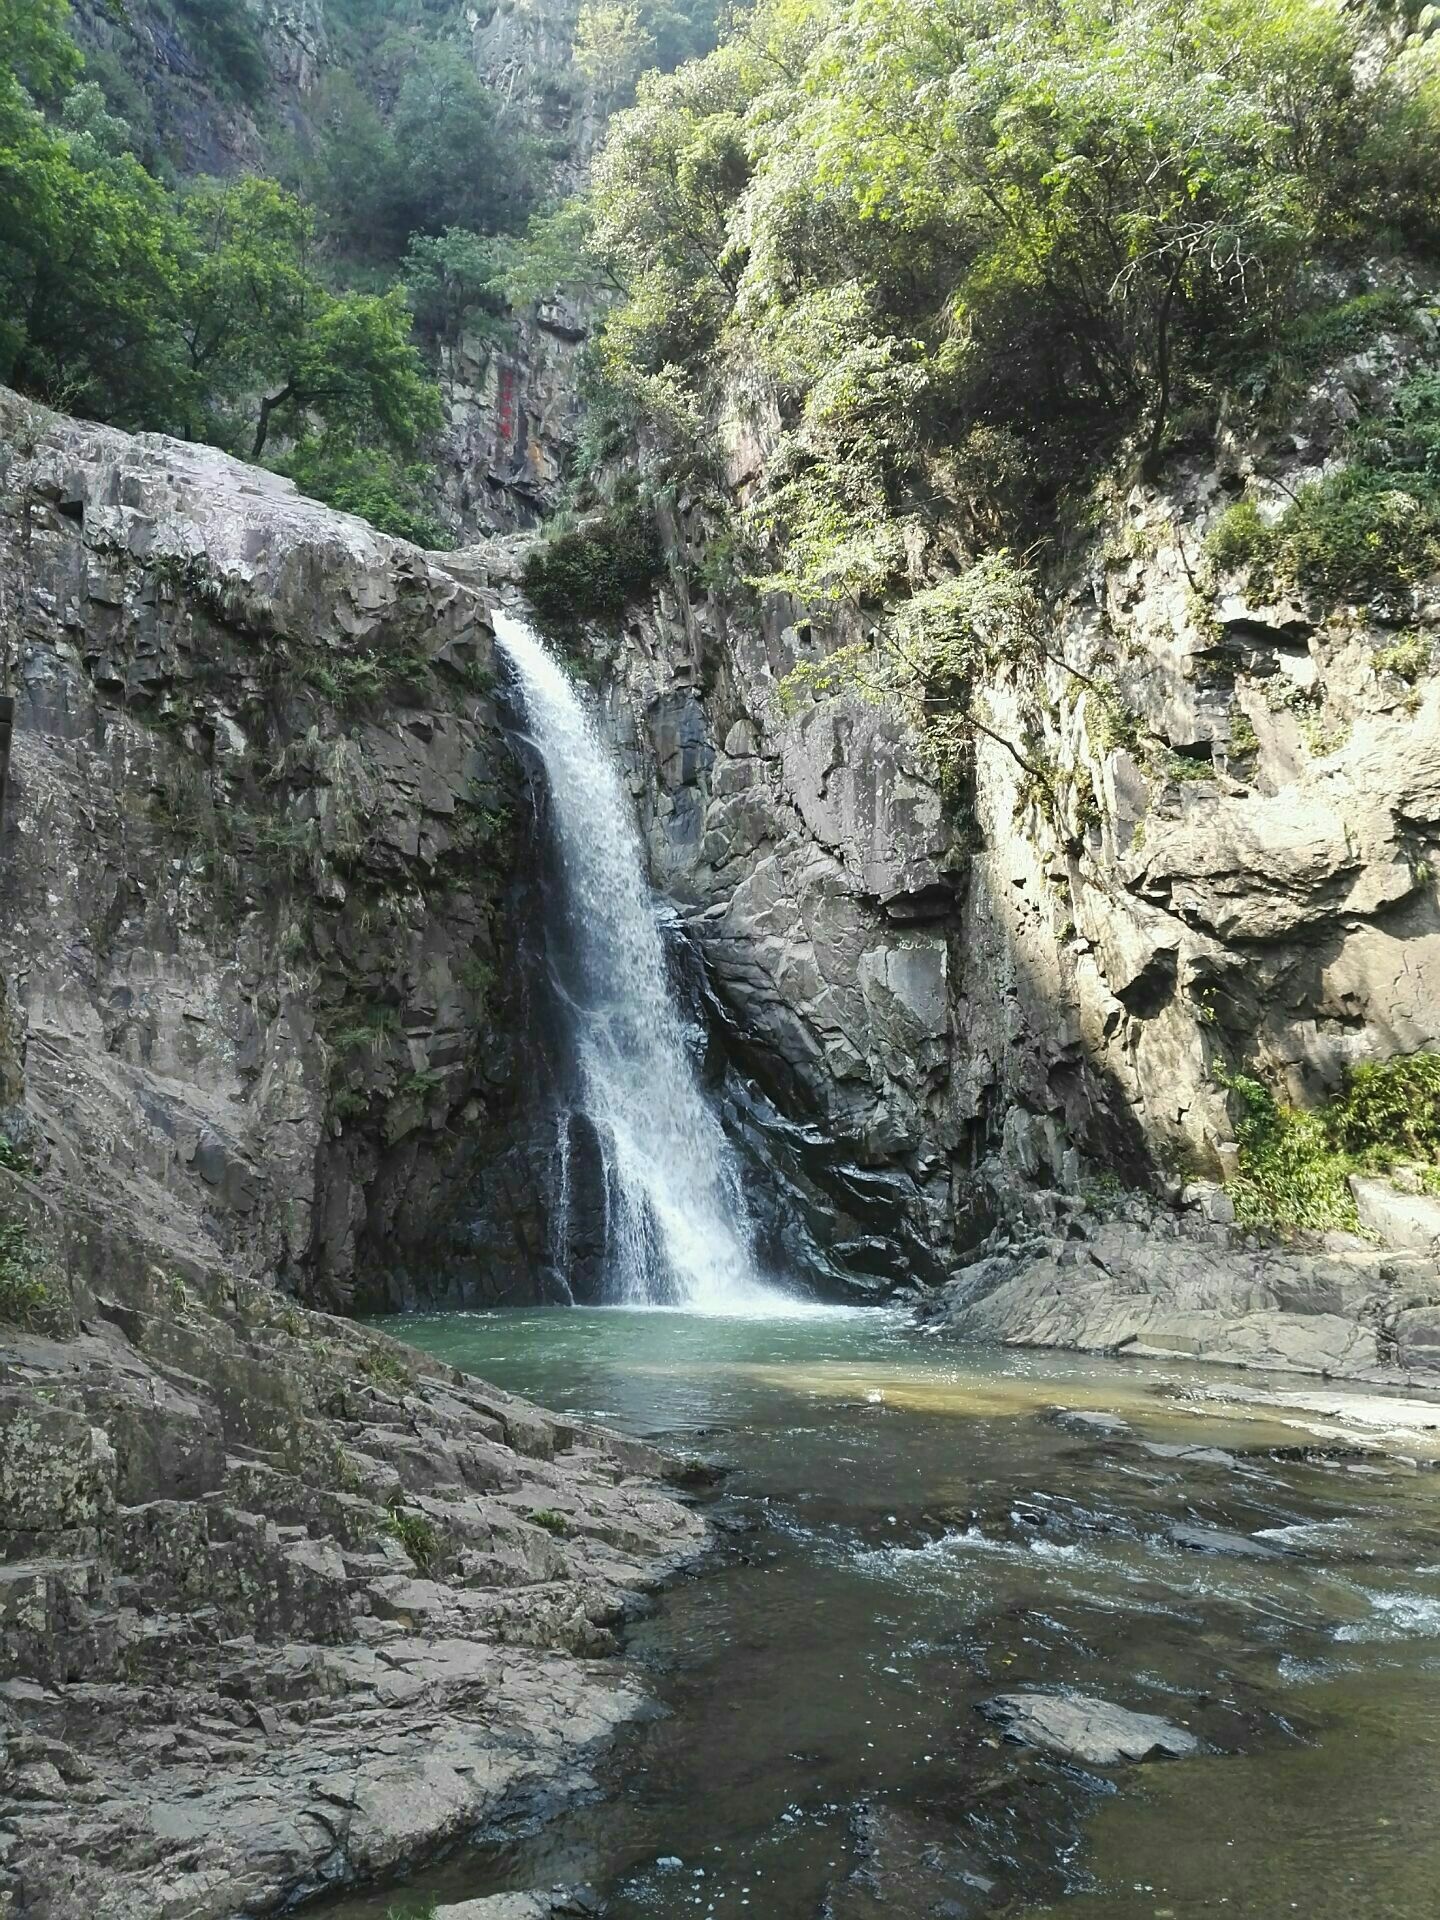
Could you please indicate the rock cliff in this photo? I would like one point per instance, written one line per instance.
(977, 1018)
(261, 1019)
(257, 868)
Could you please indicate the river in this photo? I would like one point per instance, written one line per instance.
(908, 1529)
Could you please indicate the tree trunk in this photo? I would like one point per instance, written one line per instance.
(268, 405)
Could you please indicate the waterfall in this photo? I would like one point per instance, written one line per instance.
(676, 1227)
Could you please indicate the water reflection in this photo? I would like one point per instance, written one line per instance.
(912, 1528)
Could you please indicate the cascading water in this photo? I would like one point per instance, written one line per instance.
(676, 1227)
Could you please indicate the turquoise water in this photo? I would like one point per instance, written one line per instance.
(907, 1531)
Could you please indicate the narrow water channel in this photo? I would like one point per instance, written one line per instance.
(908, 1530)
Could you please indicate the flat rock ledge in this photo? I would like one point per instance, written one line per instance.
(1159, 1286)
(284, 1604)
(1080, 1727)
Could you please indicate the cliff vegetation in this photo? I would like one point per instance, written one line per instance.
(938, 324)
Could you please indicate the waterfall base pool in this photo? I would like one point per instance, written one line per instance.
(909, 1530)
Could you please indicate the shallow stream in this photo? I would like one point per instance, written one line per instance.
(908, 1530)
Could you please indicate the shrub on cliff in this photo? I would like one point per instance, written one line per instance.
(1295, 1165)
(590, 574)
(1370, 530)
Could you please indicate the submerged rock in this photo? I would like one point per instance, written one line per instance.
(560, 1903)
(1095, 1425)
(1217, 1540)
(909, 1862)
(1081, 1727)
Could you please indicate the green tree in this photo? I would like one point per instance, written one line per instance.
(613, 47)
(37, 55)
(462, 166)
(960, 240)
(455, 285)
(257, 321)
(353, 365)
(618, 40)
(444, 159)
(355, 174)
(87, 251)
(372, 481)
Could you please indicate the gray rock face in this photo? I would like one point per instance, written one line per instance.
(200, 120)
(811, 857)
(980, 1003)
(1083, 1728)
(1154, 1287)
(12, 1057)
(276, 1612)
(256, 901)
(1408, 1220)
(511, 416)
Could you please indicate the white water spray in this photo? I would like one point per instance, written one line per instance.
(677, 1231)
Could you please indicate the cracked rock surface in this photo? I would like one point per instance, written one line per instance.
(283, 1603)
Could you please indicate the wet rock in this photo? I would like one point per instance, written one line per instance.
(1198, 1539)
(1152, 1287)
(1191, 1455)
(1084, 1728)
(1094, 1425)
(559, 1903)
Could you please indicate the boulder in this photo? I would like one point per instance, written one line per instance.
(1081, 1727)
(1409, 1221)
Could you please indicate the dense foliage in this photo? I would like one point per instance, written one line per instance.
(440, 159)
(1295, 1165)
(616, 41)
(274, 316)
(593, 572)
(973, 250)
(201, 310)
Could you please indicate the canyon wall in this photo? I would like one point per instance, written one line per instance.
(999, 1018)
(258, 869)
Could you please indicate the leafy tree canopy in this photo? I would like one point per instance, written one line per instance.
(444, 157)
(203, 312)
(1016, 228)
(956, 256)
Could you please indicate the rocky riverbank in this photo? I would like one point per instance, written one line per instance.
(1145, 1280)
(286, 1605)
